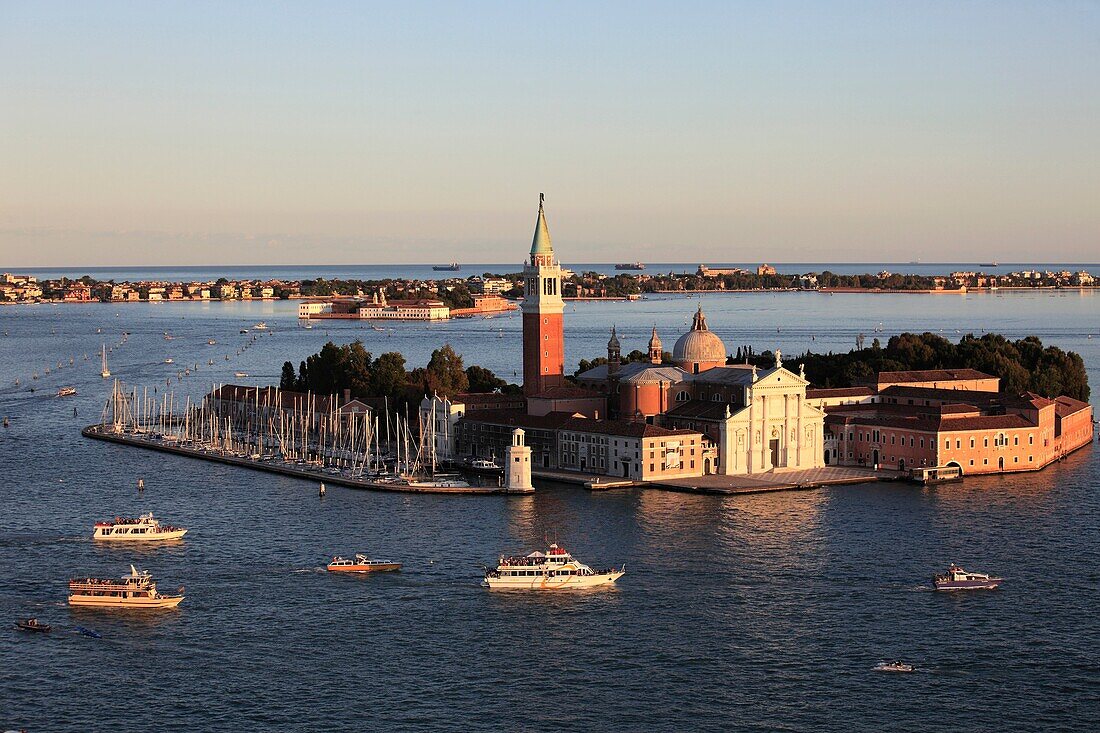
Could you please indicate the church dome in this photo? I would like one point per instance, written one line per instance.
(699, 345)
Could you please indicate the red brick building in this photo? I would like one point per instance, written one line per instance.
(974, 431)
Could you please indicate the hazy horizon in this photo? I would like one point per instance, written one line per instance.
(339, 133)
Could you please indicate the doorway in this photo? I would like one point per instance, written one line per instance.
(774, 445)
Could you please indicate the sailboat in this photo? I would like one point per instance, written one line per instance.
(105, 372)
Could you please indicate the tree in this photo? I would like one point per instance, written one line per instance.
(481, 379)
(288, 380)
(388, 378)
(445, 374)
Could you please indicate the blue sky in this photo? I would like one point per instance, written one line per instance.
(239, 133)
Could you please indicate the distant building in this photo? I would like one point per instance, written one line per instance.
(409, 310)
(766, 269)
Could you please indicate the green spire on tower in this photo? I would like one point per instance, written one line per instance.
(541, 245)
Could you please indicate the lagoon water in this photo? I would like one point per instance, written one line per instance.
(762, 612)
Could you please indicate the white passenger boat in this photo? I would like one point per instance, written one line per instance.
(555, 569)
(136, 590)
(145, 528)
(66, 392)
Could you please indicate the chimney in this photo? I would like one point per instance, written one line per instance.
(347, 395)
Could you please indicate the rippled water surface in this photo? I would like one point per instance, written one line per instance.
(762, 612)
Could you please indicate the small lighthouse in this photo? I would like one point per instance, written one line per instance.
(517, 476)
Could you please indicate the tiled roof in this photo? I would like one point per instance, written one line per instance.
(565, 392)
(812, 394)
(287, 399)
(932, 375)
(728, 374)
(700, 409)
(569, 421)
(654, 374)
(1066, 406)
(622, 428)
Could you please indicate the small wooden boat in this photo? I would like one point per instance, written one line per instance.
(32, 624)
(361, 564)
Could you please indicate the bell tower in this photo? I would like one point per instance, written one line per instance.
(543, 338)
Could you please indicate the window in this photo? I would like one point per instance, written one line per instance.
(1030, 440)
(1016, 440)
(958, 444)
(651, 467)
(971, 442)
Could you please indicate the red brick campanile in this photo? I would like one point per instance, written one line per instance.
(543, 338)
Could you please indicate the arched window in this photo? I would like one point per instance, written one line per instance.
(716, 397)
(682, 396)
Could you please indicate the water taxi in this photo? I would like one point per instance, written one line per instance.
(958, 579)
(66, 392)
(136, 590)
(145, 528)
(555, 569)
(361, 564)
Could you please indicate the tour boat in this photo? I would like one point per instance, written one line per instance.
(958, 579)
(552, 570)
(32, 624)
(145, 528)
(361, 564)
(894, 667)
(66, 392)
(136, 590)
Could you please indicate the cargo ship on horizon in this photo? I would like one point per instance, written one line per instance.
(453, 267)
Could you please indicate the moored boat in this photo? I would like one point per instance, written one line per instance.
(142, 529)
(32, 624)
(360, 564)
(136, 590)
(958, 579)
(555, 569)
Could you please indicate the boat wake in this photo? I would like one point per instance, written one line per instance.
(310, 570)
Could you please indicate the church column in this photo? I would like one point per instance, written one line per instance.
(765, 438)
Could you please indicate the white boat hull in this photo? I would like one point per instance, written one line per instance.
(552, 582)
(174, 534)
(118, 602)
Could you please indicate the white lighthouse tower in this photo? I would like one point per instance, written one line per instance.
(517, 476)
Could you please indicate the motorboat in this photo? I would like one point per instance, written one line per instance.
(32, 624)
(135, 590)
(360, 564)
(958, 579)
(554, 569)
(482, 464)
(240, 374)
(210, 342)
(169, 360)
(145, 528)
(894, 667)
(66, 392)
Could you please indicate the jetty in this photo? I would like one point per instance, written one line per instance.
(270, 465)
